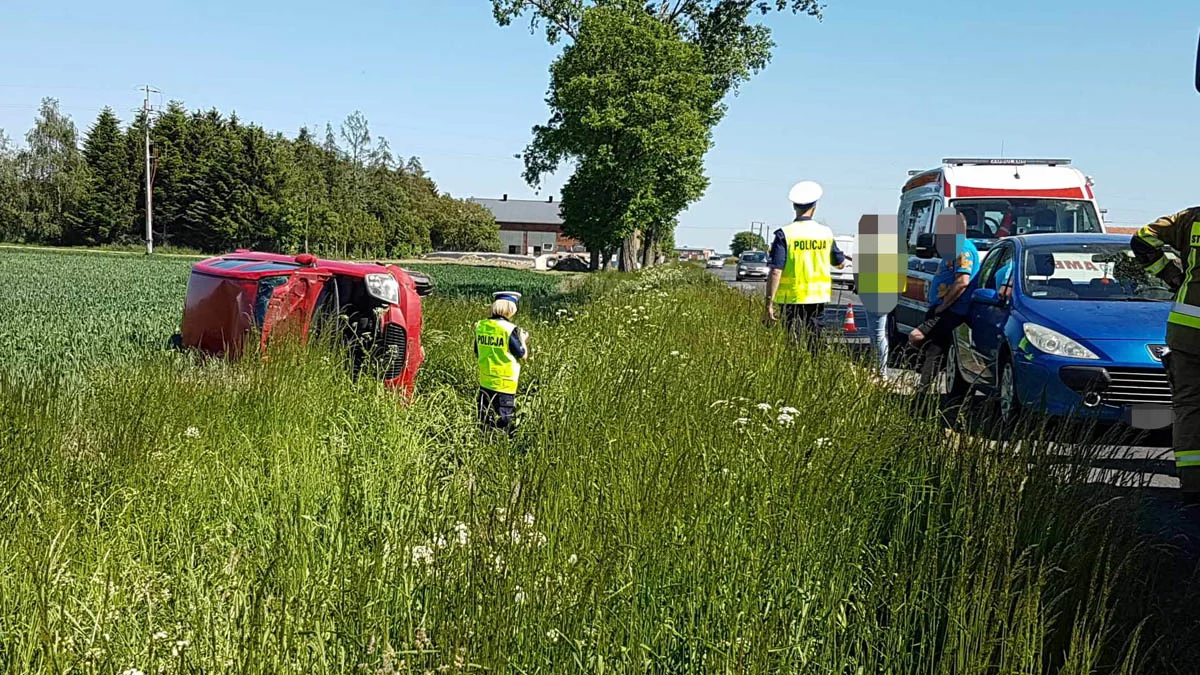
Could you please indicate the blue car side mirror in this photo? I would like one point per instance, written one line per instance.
(986, 296)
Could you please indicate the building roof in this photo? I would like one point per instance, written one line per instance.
(532, 211)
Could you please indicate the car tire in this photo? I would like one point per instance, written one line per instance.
(957, 387)
(1008, 398)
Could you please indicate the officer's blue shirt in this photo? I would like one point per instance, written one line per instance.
(778, 256)
(514, 340)
(966, 262)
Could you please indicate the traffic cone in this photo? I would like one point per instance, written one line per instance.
(848, 325)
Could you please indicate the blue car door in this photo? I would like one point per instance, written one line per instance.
(990, 309)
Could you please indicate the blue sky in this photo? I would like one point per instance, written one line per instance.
(877, 88)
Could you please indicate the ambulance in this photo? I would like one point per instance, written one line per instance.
(998, 198)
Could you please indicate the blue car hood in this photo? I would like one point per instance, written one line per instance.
(1099, 320)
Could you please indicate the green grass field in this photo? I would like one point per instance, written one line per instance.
(687, 493)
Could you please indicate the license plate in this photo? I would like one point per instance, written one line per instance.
(1147, 416)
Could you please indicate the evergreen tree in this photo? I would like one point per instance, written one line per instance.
(108, 211)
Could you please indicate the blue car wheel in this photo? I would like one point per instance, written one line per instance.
(1010, 401)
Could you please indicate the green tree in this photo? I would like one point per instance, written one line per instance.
(732, 47)
(747, 241)
(633, 107)
(10, 185)
(54, 177)
(108, 210)
(463, 226)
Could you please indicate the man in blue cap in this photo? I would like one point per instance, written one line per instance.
(500, 346)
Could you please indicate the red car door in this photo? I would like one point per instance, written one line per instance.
(290, 309)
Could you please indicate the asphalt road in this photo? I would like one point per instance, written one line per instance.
(1135, 466)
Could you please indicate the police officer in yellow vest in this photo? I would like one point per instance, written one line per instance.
(800, 260)
(1182, 360)
(500, 346)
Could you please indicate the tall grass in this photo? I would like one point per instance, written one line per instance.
(687, 492)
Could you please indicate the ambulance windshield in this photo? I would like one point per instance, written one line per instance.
(994, 218)
(1089, 272)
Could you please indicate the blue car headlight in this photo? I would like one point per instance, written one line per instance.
(1056, 344)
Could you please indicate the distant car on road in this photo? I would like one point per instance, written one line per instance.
(1067, 324)
(845, 275)
(752, 264)
(716, 261)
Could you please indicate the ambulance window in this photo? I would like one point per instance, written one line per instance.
(919, 217)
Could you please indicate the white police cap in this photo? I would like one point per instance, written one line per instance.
(514, 296)
(805, 192)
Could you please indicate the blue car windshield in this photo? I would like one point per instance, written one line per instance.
(1079, 271)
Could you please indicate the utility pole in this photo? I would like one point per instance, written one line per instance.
(759, 228)
(149, 174)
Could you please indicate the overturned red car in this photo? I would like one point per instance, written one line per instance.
(374, 309)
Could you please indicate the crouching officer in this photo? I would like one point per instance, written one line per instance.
(500, 346)
(801, 255)
(1181, 232)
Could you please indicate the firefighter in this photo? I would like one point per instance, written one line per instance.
(500, 346)
(1182, 360)
(800, 259)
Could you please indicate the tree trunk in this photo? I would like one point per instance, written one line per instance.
(594, 263)
(629, 251)
(648, 248)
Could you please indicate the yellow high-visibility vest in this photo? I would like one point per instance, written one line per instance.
(499, 370)
(806, 279)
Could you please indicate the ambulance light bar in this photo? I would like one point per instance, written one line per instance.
(1006, 162)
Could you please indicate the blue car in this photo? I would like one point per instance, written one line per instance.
(1067, 325)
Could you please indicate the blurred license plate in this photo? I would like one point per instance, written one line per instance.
(1147, 416)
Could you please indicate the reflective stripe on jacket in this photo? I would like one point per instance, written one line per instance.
(499, 369)
(806, 279)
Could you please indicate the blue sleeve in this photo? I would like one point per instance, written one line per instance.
(968, 262)
(778, 251)
(836, 257)
(514, 344)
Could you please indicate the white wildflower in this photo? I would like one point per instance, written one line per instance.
(529, 519)
(422, 555)
(741, 421)
(160, 635)
(191, 432)
(180, 645)
(440, 542)
(461, 533)
(822, 442)
(765, 407)
(538, 539)
(516, 535)
(519, 596)
(132, 671)
(498, 563)
(573, 559)
(552, 634)
(787, 409)
(785, 419)
(501, 515)
(674, 352)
